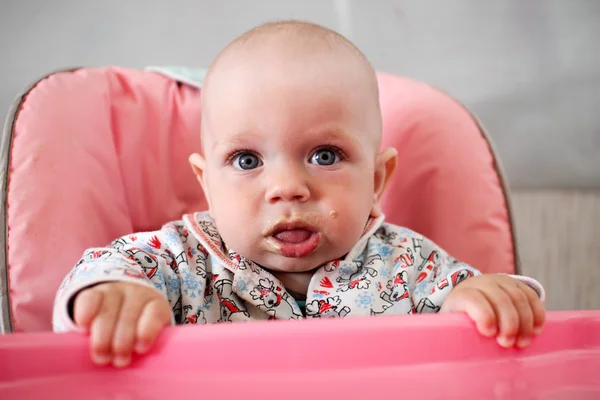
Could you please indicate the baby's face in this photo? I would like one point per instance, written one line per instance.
(289, 162)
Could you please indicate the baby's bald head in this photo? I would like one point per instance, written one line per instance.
(292, 53)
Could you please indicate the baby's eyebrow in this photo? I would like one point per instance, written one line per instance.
(238, 139)
(333, 134)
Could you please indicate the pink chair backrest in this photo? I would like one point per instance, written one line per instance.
(93, 154)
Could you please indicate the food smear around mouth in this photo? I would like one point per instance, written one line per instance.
(304, 220)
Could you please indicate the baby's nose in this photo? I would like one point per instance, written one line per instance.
(287, 186)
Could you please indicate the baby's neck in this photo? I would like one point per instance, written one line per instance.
(296, 282)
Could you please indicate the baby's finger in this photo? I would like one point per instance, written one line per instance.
(537, 308)
(508, 318)
(474, 303)
(155, 315)
(521, 303)
(103, 327)
(86, 307)
(125, 331)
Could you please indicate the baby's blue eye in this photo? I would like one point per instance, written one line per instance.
(247, 161)
(325, 157)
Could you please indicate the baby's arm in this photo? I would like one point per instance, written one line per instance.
(508, 307)
(118, 295)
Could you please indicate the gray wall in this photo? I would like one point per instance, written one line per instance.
(530, 69)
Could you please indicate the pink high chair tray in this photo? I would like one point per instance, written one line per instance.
(422, 356)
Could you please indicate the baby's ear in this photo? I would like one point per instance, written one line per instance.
(198, 164)
(385, 164)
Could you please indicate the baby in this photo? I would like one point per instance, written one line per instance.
(293, 173)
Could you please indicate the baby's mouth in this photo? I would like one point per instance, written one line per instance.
(293, 235)
(293, 238)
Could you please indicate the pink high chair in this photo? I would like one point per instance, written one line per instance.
(91, 154)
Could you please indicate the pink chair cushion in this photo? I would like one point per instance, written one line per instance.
(98, 153)
(446, 185)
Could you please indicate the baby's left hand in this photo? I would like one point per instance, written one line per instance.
(500, 306)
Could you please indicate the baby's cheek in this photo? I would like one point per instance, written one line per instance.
(235, 224)
(345, 226)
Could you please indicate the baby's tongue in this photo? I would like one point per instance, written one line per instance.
(293, 235)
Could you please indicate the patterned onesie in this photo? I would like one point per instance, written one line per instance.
(391, 270)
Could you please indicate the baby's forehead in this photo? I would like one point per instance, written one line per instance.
(275, 58)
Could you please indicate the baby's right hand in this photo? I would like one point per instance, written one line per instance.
(121, 317)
